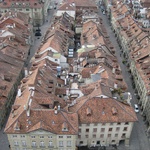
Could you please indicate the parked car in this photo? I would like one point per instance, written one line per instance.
(136, 108)
(38, 30)
(38, 34)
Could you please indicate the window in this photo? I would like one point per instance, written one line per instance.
(118, 128)
(102, 135)
(86, 136)
(87, 124)
(32, 136)
(60, 143)
(16, 143)
(50, 137)
(102, 129)
(27, 9)
(42, 137)
(22, 136)
(94, 135)
(55, 59)
(50, 143)
(118, 123)
(14, 136)
(125, 129)
(123, 135)
(109, 135)
(116, 135)
(60, 136)
(94, 129)
(113, 141)
(87, 130)
(103, 124)
(23, 143)
(111, 123)
(41, 143)
(68, 137)
(68, 143)
(126, 123)
(79, 136)
(110, 129)
(81, 142)
(33, 143)
(79, 130)
(95, 124)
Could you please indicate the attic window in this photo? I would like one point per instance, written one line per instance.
(64, 127)
(114, 111)
(17, 126)
(88, 111)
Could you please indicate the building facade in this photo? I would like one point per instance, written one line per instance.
(36, 9)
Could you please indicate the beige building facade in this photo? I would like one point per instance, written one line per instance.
(104, 134)
(42, 139)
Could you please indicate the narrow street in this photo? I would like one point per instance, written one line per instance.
(139, 140)
(38, 39)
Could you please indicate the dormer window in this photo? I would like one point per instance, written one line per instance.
(88, 111)
(17, 126)
(114, 111)
(64, 127)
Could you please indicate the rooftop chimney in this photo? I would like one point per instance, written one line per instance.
(39, 80)
(58, 107)
(25, 71)
(19, 91)
(55, 110)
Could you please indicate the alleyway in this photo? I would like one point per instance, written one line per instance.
(139, 140)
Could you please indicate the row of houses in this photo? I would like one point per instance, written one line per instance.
(38, 10)
(67, 102)
(15, 41)
(134, 42)
(138, 8)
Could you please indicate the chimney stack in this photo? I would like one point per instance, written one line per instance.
(58, 107)
(39, 80)
(25, 71)
(55, 110)
(19, 91)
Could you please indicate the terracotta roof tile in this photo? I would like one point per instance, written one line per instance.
(101, 111)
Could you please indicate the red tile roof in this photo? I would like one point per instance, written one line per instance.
(101, 111)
